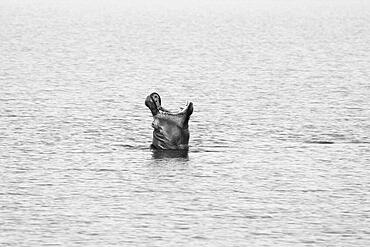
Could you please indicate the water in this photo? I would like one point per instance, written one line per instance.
(279, 135)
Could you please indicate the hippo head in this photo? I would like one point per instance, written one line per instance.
(171, 129)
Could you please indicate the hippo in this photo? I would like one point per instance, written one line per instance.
(171, 129)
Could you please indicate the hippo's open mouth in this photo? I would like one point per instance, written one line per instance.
(180, 117)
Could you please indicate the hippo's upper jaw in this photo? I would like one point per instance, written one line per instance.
(170, 128)
(153, 102)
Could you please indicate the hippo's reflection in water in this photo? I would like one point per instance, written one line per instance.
(165, 154)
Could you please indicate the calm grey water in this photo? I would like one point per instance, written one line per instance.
(280, 134)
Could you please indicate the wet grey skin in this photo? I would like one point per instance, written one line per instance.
(171, 129)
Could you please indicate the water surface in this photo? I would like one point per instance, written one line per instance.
(279, 135)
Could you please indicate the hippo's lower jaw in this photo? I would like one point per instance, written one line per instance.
(180, 118)
(171, 129)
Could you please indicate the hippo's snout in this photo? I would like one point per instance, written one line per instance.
(151, 104)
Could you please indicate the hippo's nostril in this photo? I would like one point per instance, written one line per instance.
(156, 99)
(151, 105)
